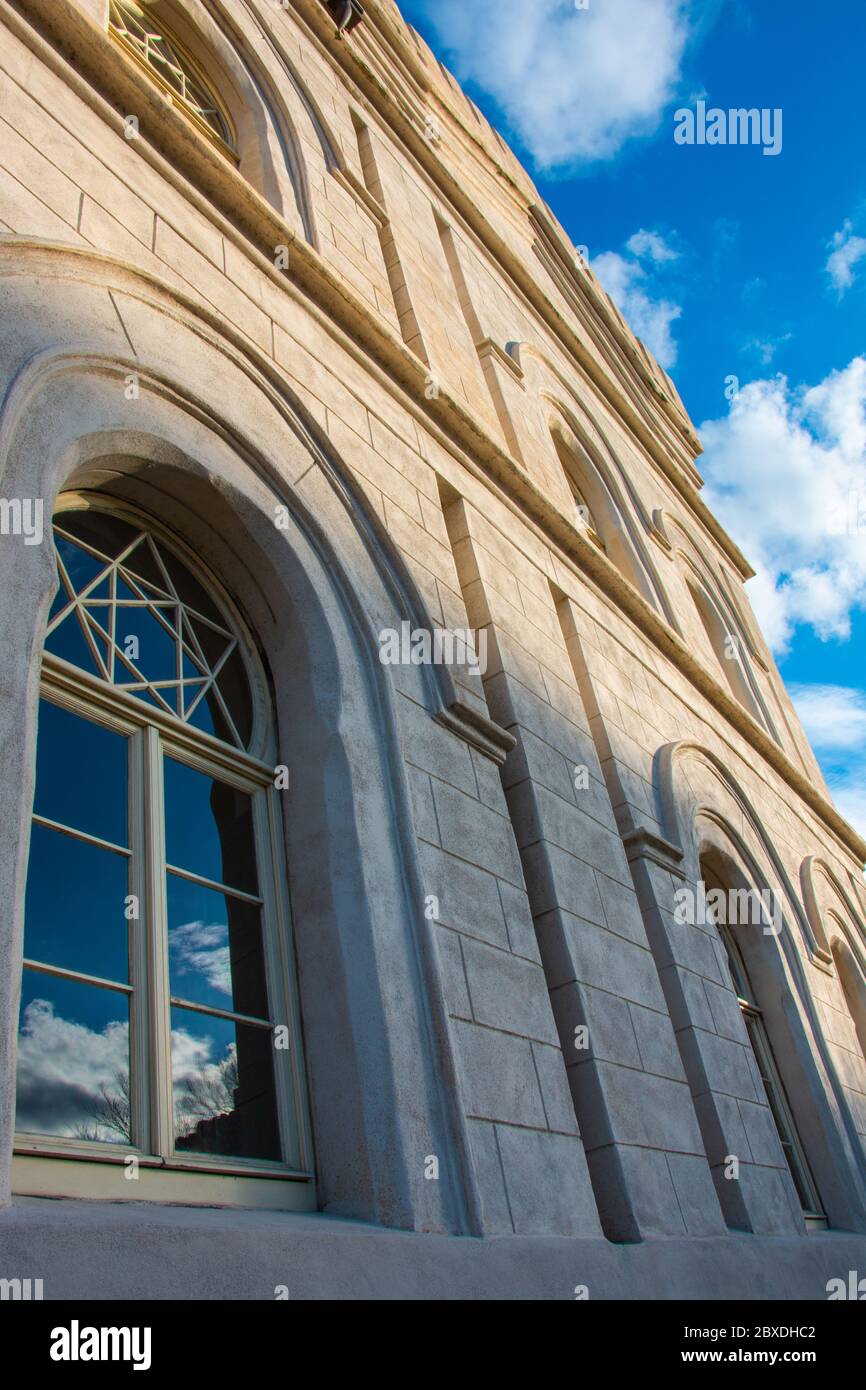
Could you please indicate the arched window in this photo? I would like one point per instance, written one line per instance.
(766, 1062)
(173, 69)
(600, 509)
(728, 649)
(853, 984)
(156, 1012)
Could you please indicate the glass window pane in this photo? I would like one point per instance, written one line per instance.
(150, 650)
(188, 589)
(209, 828)
(75, 906)
(774, 1091)
(73, 1060)
(224, 1097)
(235, 690)
(107, 534)
(81, 567)
(69, 643)
(142, 564)
(81, 774)
(215, 949)
(208, 716)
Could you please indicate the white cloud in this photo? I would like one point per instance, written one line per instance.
(847, 251)
(70, 1076)
(766, 348)
(650, 246)
(63, 1068)
(834, 717)
(786, 474)
(849, 794)
(198, 948)
(574, 84)
(627, 281)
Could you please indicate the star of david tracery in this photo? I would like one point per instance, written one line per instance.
(165, 57)
(140, 621)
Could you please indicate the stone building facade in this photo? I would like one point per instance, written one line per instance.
(274, 292)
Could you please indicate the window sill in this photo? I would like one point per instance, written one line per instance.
(815, 1223)
(42, 1175)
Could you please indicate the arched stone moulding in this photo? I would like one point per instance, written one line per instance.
(612, 497)
(693, 781)
(565, 417)
(824, 894)
(267, 112)
(704, 810)
(699, 574)
(834, 914)
(212, 446)
(283, 92)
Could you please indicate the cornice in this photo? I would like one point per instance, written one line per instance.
(95, 57)
(681, 474)
(191, 164)
(642, 843)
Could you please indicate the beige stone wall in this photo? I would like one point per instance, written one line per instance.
(438, 330)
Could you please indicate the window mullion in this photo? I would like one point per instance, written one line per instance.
(159, 1008)
(282, 989)
(139, 1091)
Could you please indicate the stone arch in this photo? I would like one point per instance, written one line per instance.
(721, 620)
(599, 478)
(851, 979)
(708, 816)
(836, 921)
(300, 97)
(212, 444)
(264, 113)
(824, 894)
(569, 425)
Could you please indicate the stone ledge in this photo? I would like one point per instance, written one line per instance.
(92, 1251)
(474, 728)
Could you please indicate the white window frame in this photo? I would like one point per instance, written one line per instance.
(777, 1100)
(46, 1165)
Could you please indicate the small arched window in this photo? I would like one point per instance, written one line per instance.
(729, 650)
(768, 1068)
(156, 1013)
(169, 64)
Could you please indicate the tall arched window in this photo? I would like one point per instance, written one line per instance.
(759, 1038)
(157, 1011)
(173, 69)
(853, 983)
(729, 651)
(600, 509)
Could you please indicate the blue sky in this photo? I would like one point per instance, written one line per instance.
(729, 263)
